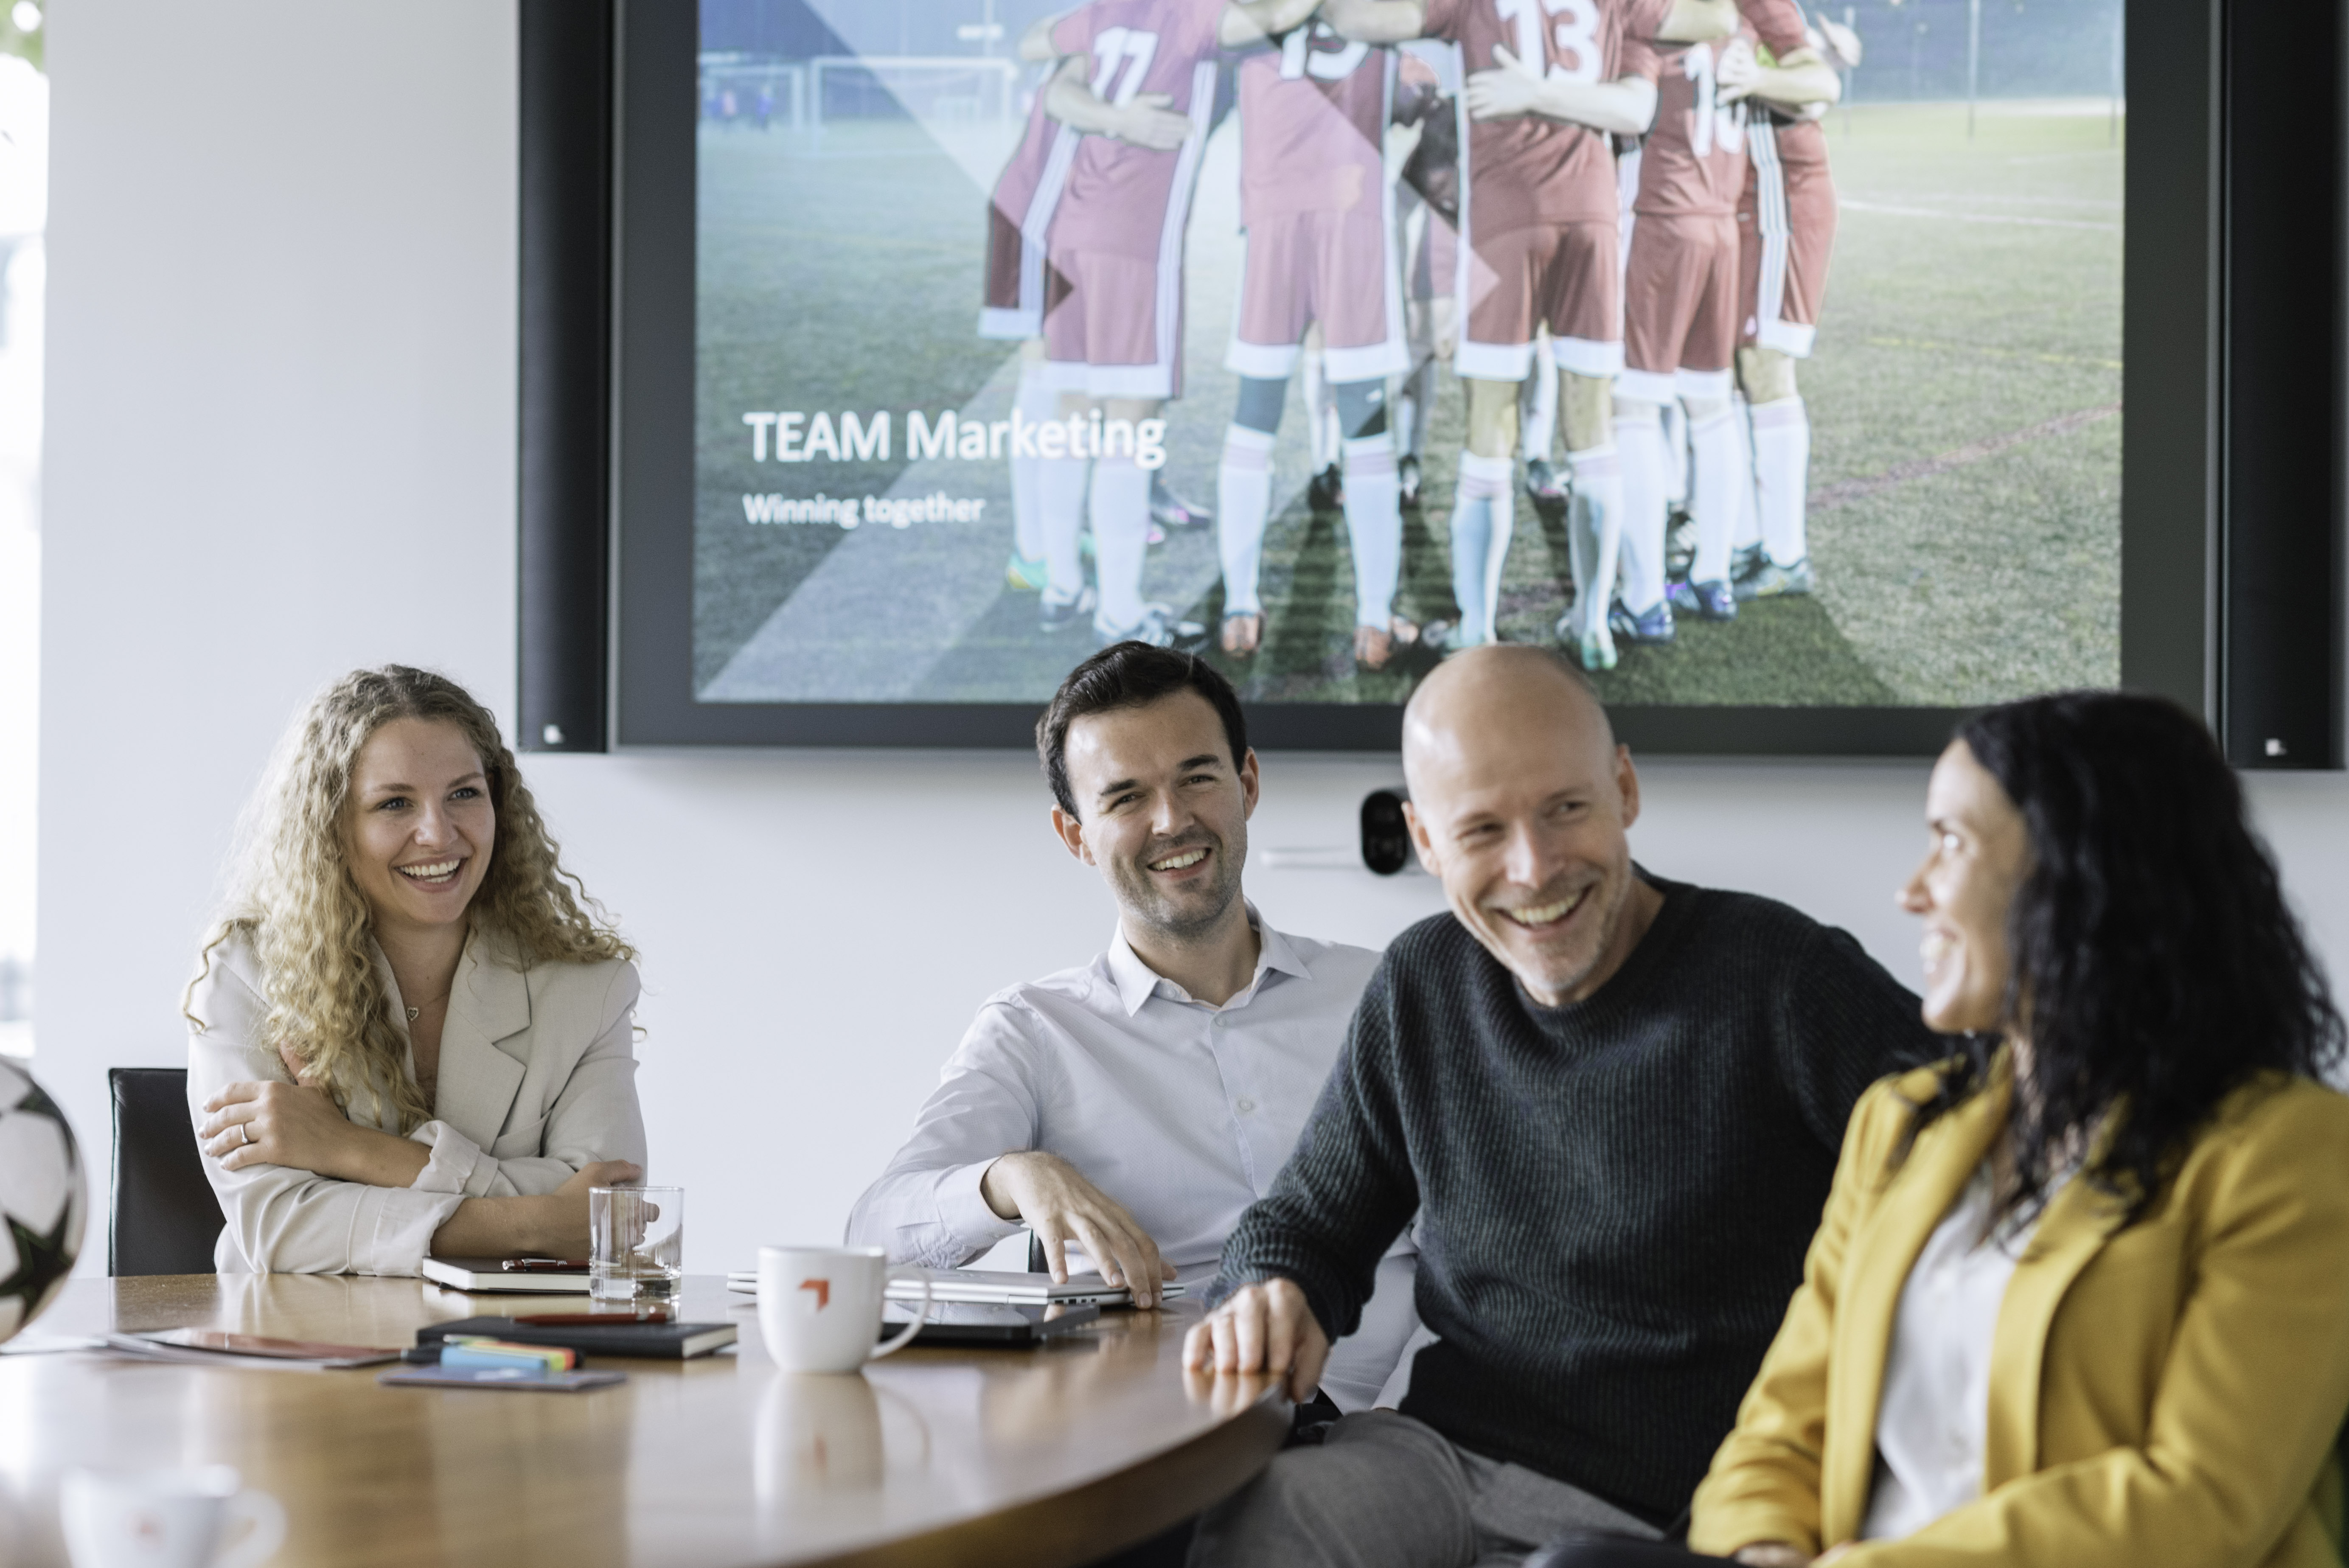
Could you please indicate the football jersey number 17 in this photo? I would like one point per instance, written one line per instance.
(1577, 32)
(1130, 47)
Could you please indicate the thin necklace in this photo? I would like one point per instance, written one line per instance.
(415, 1013)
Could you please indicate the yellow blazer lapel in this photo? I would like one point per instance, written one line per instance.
(1876, 1261)
(2074, 1228)
(489, 1002)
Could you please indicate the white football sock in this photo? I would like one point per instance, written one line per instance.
(1676, 457)
(1061, 503)
(1782, 475)
(1481, 524)
(1414, 405)
(1242, 502)
(1374, 527)
(1594, 535)
(1640, 445)
(1121, 508)
(1037, 402)
(1321, 412)
(1537, 408)
(1712, 494)
(1747, 530)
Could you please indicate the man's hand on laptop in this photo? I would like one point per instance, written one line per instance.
(1052, 1198)
(1264, 1329)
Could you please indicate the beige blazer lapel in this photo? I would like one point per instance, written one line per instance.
(489, 1002)
(1877, 1259)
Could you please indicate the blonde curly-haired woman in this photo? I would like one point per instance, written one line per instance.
(411, 1032)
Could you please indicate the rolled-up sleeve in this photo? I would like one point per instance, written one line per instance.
(927, 1208)
(280, 1220)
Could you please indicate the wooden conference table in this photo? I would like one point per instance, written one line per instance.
(1040, 1458)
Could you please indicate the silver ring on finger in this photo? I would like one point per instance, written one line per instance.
(244, 1133)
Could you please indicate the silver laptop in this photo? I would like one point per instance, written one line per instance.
(994, 1287)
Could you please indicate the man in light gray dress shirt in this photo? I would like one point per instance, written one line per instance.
(1129, 1111)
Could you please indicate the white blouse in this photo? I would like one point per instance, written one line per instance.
(1934, 1413)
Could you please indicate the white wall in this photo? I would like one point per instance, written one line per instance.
(281, 434)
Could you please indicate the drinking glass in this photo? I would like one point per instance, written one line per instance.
(637, 1244)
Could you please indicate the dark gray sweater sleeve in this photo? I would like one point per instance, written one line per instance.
(1844, 1022)
(1347, 1191)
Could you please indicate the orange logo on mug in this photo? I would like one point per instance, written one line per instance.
(823, 1288)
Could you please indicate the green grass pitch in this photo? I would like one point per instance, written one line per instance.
(1963, 393)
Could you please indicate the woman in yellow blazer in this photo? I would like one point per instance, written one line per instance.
(2081, 1295)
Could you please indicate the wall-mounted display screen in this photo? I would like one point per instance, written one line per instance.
(1758, 357)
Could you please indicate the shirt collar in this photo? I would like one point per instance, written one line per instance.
(1137, 982)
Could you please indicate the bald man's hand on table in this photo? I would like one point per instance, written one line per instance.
(1263, 1328)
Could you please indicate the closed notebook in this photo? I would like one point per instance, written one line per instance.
(663, 1341)
(476, 1275)
(217, 1348)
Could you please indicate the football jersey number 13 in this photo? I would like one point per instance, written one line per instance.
(1576, 32)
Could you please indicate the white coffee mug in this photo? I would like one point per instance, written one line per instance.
(167, 1519)
(820, 1307)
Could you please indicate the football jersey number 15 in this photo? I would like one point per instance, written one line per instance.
(1576, 32)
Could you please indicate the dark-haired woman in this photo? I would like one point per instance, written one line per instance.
(2081, 1295)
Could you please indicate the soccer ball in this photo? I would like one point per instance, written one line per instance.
(42, 1200)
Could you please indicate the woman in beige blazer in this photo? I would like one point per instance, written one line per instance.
(2080, 1298)
(409, 1036)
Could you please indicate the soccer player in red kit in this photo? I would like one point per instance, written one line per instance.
(1538, 249)
(1318, 212)
(1786, 222)
(1138, 79)
(1681, 324)
(1018, 217)
(1427, 207)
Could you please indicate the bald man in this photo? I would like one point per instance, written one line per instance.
(1615, 1103)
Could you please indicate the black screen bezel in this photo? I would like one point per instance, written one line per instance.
(2168, 450)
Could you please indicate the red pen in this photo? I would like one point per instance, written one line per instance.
(545, 1265)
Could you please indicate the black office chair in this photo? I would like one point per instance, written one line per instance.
(164, 1218)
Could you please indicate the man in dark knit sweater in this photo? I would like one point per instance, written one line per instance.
(1614, 1103)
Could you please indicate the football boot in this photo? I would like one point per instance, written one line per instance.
(1060, 615)
(1594, 650)
(1712, 600)
(1655, 626)
(1168, 509)
(1160, 627)
(1374, 646)
(1547, 485)
(1772, 581)
(1325, 492)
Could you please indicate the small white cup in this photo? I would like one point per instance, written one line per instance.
(167, 1519)
(820, 1307)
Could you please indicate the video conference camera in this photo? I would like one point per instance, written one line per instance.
(1386, 837)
